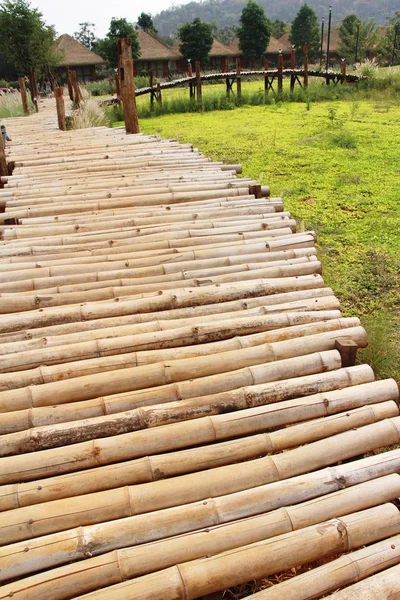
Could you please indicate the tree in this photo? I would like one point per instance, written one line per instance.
(26, 40)
(107, 48)
(279, 28)
(305, 30)
(367, 37)
(85, 35)
(196, 41)
(226, 35)
(254, 31)
(145, 22)
(389, 47)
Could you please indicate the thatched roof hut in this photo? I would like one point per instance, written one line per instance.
(154, 55)
(76, 56)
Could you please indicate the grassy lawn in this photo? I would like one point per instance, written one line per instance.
(337, 166)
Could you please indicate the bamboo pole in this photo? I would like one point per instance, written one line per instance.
(137, 378)
(345, 570)
(127, 563)
(128, 473)
(383, 585)
(260, 559)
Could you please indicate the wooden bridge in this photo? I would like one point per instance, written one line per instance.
(180, 408)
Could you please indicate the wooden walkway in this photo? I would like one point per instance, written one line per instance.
(180, 409)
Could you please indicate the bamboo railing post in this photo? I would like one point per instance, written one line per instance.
(128, 85)
(191, 86)
(343, 70)
(159, 94)
(152, 91)
(280, 73)
(69, 84)
(24, 95)
(305, 66)
(33, 88)
(59, 96)
(3, 161)
(198, 82)
(292, 67)
(238, 80)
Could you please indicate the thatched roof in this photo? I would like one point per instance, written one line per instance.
(274, 45)
(76, 55)
(152, 49)
(220, 49)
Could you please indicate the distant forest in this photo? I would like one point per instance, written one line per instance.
(226, 13)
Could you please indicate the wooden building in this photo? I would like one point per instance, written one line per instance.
(76, 56)
(271, 55)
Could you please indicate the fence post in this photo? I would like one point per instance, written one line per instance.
(266, 78)
(305, 66)
(69, 84)
(127, 85)
(75, 87)
(159, 96)
(238, 79)
(59, 96)
(24, 95)
(292, 67)
(198, 81)
(33, 88)
(191, 86)
(152, 91)
(343, 70)
(280, 73)
(3, 161)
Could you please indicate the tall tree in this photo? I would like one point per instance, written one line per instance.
(254, 31)
(278, 28)
(367, 38)
(196, 41)
(145, 22)
(305, 30)
(389, 45)
(85, 35)
(107, 48)
(26, 40)
(226, 35)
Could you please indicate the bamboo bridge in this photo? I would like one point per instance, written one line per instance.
(181, 411)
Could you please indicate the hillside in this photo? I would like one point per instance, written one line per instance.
(227, 12)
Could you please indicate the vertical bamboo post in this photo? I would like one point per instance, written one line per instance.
(24, 95)
(343, 70)
(118, 87)
(3, 161)
(151, 91)
(159, 95)
(75, 87)
(69, 84)
(59, 96)
(128, 85)
(280, 73)
(238, 79)
(198, 81)
(33, 88)
(305, 66)
(292, 67)
(266, 78)
(190, 74)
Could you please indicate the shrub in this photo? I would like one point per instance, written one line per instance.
(344, 139)
(89, 114)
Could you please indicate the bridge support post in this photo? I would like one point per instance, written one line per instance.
(343, 70)
(69, 84)
(59, 96)
(24, 95)
(238, 80)
(191, 86)
(125, 71)
(118, 87)
(33, 90)
(266, 78)
(3, 161)
(159, 95)
(347, 348)
(152, 91)
(280, 73)
(292, 66)
(198, 82)
(75, 86)
(305, 66)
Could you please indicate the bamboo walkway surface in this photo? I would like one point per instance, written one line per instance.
(180, 408)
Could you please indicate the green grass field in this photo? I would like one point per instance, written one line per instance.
(337, 166)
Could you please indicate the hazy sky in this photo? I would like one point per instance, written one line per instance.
(67, 15)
